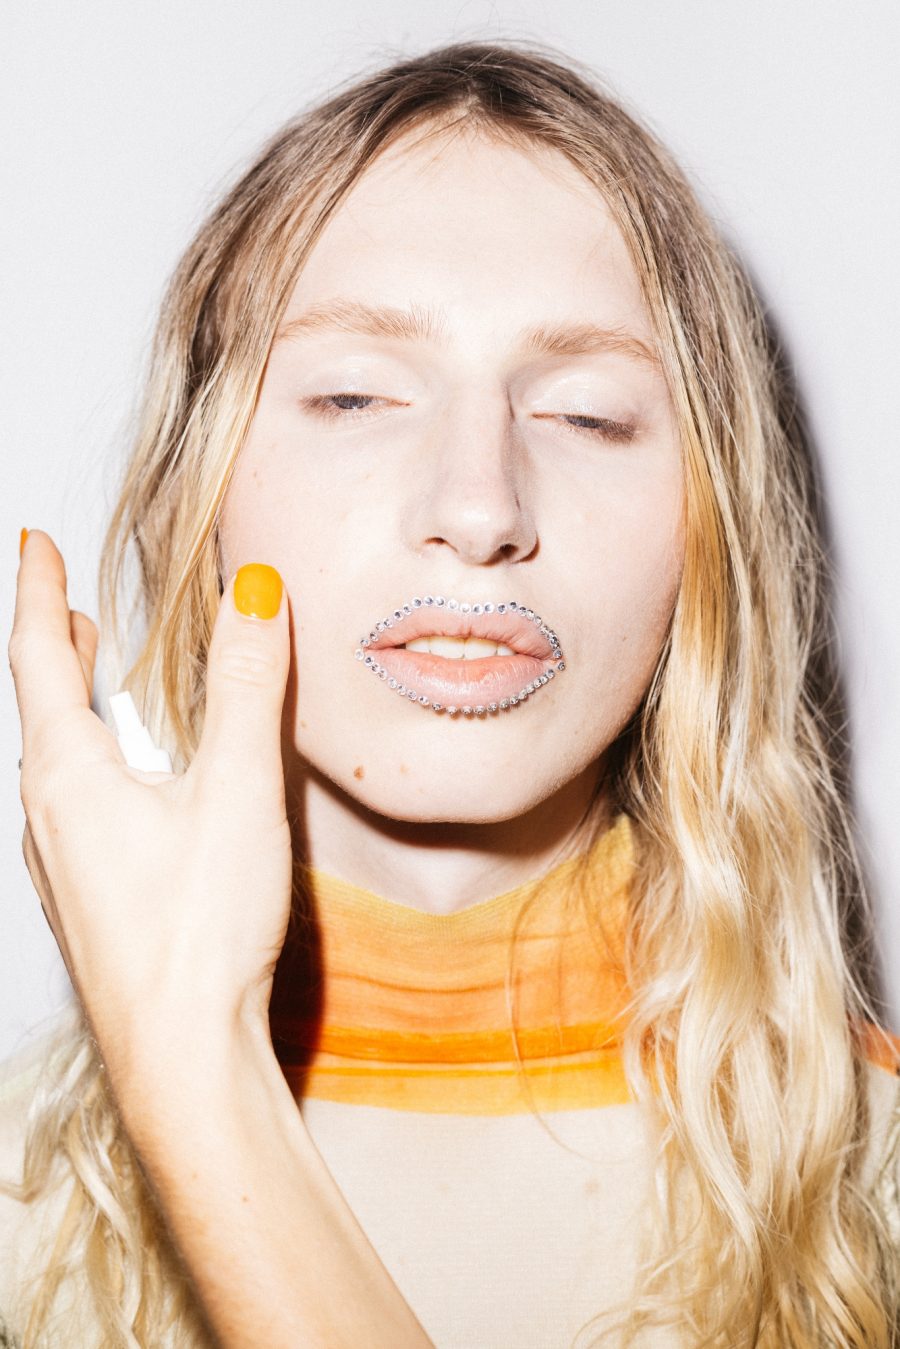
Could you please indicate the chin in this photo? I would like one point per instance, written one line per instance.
(420, 799)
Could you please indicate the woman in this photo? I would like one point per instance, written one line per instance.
(505, 844)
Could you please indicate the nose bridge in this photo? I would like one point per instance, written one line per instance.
(473, 489)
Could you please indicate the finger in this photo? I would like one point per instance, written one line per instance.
(50, 679)
(46, 669)
(84, 635)
(247, 668)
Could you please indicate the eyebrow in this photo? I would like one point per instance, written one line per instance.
(419, 323)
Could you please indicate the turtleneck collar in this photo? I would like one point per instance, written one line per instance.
(377, 1003)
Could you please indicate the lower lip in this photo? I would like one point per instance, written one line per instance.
(462, 683)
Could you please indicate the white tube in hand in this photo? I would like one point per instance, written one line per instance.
(134, 738)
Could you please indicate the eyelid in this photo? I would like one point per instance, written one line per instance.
(607, 428)
(323, 404)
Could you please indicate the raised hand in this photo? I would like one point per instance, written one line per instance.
(168, 895)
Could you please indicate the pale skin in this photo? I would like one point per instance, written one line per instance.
(473, 472)
(461, 476)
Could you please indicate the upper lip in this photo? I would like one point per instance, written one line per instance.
(516, 630)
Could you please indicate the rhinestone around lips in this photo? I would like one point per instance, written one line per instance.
(440, 601)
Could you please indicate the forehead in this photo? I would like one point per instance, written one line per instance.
(469, 222)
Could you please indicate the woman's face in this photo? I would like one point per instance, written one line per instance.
(463, 402)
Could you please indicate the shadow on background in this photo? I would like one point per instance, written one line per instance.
(825, 681)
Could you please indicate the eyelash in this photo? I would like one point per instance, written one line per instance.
(617, 432)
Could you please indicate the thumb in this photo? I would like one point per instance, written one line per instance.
(247, 668)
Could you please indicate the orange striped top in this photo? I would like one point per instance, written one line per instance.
(378, 1003)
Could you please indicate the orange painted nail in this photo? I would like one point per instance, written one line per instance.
(257, 590)
(22, 537)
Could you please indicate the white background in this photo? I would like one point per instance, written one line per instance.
(123, 121)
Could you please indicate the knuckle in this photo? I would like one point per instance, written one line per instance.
(84, 627)
(84, 620)
(16, 647)
(248, 664)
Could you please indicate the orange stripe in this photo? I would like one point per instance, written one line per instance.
(463, 1047)
(589, 1083)
(590, 1079)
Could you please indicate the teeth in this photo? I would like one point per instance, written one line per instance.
(460, 648)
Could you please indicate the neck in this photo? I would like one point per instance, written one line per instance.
(440, 866)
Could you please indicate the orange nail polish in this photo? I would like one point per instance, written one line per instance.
(257, 590)
(22, 537)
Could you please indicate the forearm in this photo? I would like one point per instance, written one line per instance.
(274, 1251)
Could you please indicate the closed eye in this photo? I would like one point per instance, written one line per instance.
(617, 432)
(334, 405)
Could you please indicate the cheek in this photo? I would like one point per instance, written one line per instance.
(637, 557)
(281, 508)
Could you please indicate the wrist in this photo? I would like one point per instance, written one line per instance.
(177, 1066)
(249, 1199)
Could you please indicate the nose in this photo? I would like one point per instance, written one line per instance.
(470, 488)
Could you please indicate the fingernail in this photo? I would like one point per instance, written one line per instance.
(257, 590)
(22, 537)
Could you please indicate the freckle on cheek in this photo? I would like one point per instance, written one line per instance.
(359, 771)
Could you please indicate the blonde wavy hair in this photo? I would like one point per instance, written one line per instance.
(743, 1033)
